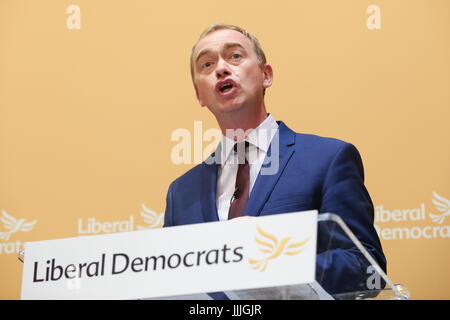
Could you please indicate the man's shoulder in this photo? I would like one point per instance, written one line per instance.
(325, 149)
(317, 139)
(310, 140)
(190, 176)
(320, 148)
(313, 142)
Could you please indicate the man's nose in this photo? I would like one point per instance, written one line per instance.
(222, 70)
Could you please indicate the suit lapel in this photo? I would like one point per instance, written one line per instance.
(208, 189)
(265, 181)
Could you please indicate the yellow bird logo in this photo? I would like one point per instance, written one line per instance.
(274, 248)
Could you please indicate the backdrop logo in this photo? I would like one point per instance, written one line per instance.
(152, 218)
(93, 225)
(14, 225)
(412, 223)
(274, 248)
(442, 205)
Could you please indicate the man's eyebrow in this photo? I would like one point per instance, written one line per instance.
(227, 45)
(202, 53)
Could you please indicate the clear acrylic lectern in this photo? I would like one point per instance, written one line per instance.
(334, 235)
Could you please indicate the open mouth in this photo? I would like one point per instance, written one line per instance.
(225, 87)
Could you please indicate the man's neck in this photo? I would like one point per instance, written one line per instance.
(237, 126)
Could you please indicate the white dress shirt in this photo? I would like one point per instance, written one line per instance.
(259, 141)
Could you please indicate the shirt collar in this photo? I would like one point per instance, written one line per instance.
(261, 137)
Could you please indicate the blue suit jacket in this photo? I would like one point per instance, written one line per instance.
(314, 173)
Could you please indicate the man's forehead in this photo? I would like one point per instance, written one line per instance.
(223, 38)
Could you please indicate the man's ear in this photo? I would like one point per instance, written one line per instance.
(268, 76)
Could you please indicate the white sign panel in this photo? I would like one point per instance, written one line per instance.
(238, 254)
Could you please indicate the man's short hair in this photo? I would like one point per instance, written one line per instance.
(219, 26)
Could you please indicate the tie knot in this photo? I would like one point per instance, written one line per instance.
(243, 145)
(241, 149)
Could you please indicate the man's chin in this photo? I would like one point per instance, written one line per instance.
(231, 107)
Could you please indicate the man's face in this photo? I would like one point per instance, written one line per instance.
(227, 75)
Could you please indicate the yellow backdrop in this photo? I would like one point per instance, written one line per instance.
(92, 91)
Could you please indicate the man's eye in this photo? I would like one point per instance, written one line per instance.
(236, 56)
(206, 65)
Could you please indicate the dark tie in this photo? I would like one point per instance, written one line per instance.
(240, 196)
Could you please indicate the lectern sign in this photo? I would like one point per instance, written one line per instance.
(265, 251)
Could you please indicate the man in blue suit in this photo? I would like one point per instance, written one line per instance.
(285, 171)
